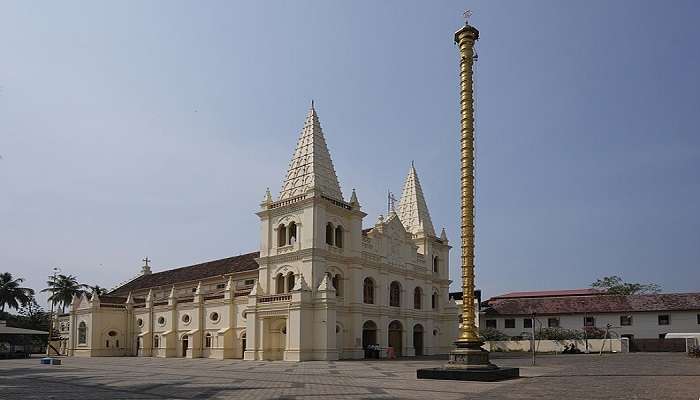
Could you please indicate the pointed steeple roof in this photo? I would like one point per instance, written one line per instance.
(413, 211)
(311, 166)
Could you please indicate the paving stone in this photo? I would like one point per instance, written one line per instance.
(613, 376)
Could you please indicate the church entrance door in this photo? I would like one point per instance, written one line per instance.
(369, 340)
(418, 339)
(185, 345)
(395, 332)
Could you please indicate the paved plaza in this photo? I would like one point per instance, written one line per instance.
(615, 376)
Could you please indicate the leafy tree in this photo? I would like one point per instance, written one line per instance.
(63, 288)
(491, 334)
(558, 334)
(12, 294)
(33, 316)
(593, 332)
(615, 285)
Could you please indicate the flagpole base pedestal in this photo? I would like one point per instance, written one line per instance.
(469, 362)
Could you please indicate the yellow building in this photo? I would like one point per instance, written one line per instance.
(320, 287)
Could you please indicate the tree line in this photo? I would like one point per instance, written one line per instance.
(13, 295)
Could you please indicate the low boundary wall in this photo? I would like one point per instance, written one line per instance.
(620, 345)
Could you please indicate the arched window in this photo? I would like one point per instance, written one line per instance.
(337, 284)
(82, 333)
(368, 291)
(290, 282)
(395, 294)
(434, 300)
(339, 236)
(417, 298)
(329, 234)
(156, 341)
(207, 340)
(292, 232)
(279, 283)
(435, 263)
(281, 235)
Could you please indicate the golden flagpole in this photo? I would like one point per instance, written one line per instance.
(465, 39)
(468, 362)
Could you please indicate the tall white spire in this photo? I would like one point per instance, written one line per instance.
(311, 165)
(413, 211)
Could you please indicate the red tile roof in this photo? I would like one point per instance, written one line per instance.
(245, 262)
(550, 293)
(112, 299)
(601, 303)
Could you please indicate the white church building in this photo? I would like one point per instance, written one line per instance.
(321, 287)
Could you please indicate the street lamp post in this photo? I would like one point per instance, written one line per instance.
(48, 359)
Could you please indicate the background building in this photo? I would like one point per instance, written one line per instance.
(637, 317)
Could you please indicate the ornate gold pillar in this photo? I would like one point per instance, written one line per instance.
(465, 39)
(468, 362)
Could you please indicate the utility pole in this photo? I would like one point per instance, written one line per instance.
(534, 350)
(48, 342)
(585, 330)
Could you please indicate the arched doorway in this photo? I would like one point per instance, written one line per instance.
(418, 339)
(243, 343)
(395, 331)
(185, 345)
(339, 345)
(369, 338)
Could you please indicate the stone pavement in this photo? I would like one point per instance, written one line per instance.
(570, 377)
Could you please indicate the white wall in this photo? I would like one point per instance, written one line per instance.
(644, 324)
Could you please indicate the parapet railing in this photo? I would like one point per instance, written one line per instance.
(274, 298)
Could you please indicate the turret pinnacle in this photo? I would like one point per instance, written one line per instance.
(311, 166)
(413, 211)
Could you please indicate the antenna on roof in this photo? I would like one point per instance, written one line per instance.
(390, 202)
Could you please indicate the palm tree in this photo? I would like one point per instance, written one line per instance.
(98, 289)
(63, 288)
(12, 294)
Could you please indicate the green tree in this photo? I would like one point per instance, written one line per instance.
(12, 294)
(615, 285)
(32, 316)
(492, 334)
(63, 288)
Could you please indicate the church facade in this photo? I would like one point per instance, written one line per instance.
(320, 287)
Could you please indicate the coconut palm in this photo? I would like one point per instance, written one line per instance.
(12, 294)
(98, 289)
(63, 288)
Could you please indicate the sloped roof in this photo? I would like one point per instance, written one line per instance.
(245, 262)
(11, 330)
(311, 165)
(549, 293)
(601, 303)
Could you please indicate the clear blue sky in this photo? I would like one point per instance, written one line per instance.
(153, 128)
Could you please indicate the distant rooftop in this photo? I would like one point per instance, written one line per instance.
(10, 330)
(549, 293)
(596, 303)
